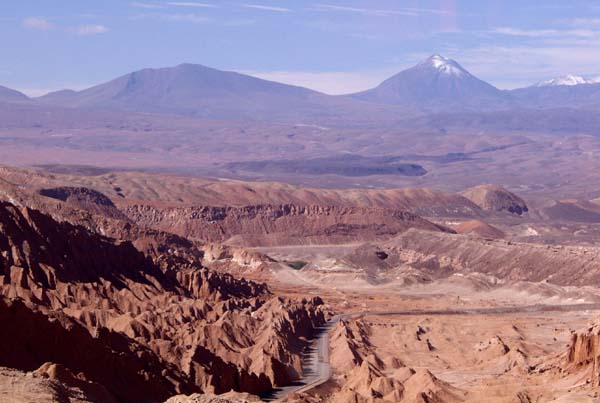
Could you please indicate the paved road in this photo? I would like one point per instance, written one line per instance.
(315, 364)
(316, 359)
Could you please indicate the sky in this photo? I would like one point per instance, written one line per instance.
(331, 46)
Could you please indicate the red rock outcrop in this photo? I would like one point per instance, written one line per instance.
(584, 352)
(496, 198)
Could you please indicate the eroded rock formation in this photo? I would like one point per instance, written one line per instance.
(148, 326)
(362, 376)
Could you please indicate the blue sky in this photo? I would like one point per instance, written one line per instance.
(332, 46)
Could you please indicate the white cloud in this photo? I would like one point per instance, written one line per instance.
(190, 4)
(268, 8)
(37, 23)
(92, 29)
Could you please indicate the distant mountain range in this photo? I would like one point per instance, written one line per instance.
(436, 85)
(195, 90)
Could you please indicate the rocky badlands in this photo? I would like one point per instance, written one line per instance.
(136, 287)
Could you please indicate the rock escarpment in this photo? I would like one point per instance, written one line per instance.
(279, 224)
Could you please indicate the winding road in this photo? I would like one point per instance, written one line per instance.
(316, 359)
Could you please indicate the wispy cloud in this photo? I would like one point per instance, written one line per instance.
(545, 33)
(269, 8)
(37, 23)
(90, 29)
(194, 18)
(190, 4)
(189, 17)
(365, 11)
(149, 6)
(438, 11)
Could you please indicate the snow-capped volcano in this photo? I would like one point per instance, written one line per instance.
(569, 80)
(444, 65)
(435, 82)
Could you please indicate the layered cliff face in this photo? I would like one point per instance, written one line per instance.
(279, 224)
(441, 255)
(143, 326)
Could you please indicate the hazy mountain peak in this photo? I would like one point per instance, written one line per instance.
(444, 65)
(569, 79)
